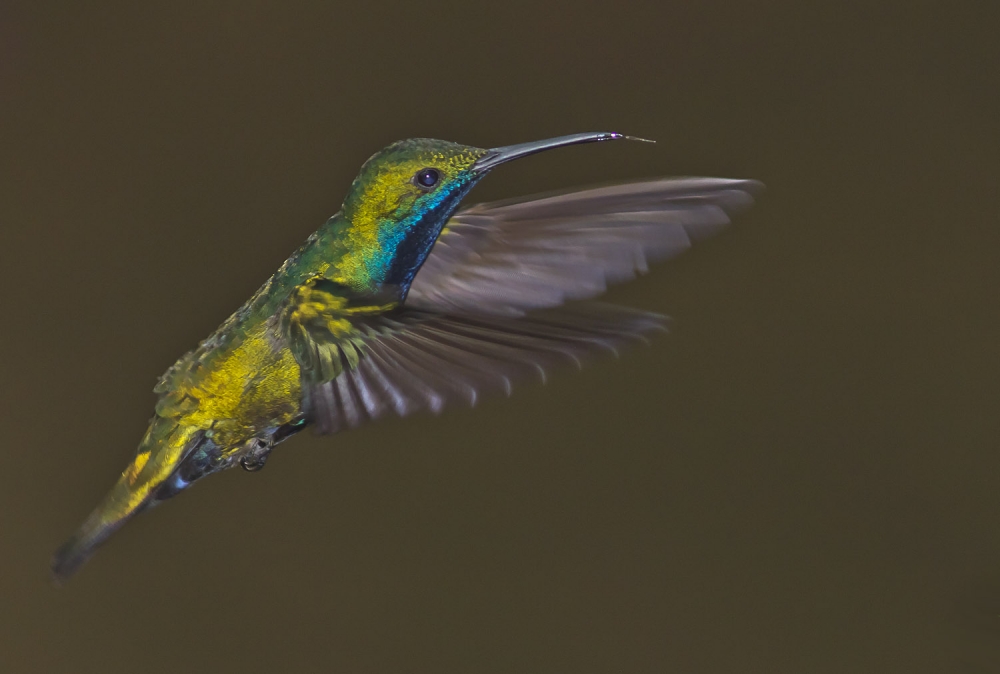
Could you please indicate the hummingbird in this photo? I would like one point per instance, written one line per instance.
(402, 302)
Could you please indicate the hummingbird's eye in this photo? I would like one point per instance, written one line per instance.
(426, 178)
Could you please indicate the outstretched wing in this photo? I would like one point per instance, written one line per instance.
(510, 257)
(362, 362)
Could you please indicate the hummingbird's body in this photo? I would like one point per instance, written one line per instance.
(360, 322)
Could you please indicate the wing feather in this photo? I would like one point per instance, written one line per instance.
(511, 257)
(487, 309)
(405, 360)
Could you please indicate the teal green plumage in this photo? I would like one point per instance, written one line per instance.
(397, 304)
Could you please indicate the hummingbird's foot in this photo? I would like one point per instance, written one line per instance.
(258, 450)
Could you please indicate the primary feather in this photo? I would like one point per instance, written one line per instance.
(510, 257)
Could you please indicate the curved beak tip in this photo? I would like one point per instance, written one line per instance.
(614, 135)
(501, 155)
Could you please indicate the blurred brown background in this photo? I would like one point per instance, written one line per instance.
(801, 478)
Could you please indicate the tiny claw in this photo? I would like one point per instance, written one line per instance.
(252, 464)
(255, 459)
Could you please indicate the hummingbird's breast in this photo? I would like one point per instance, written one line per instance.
(243, 381)
(246, 386)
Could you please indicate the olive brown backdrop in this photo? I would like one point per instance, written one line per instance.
(802, 477)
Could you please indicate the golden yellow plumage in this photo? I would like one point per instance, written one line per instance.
(256, 381)
(346, 332)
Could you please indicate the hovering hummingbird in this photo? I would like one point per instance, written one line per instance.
(398, 303)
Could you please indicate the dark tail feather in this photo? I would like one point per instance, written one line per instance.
(162, 450)
(72, 554)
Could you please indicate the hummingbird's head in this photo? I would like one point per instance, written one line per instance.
(404, 195)
(411, 181)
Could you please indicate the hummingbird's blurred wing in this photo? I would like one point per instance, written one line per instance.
(361, 363)
(510, 257)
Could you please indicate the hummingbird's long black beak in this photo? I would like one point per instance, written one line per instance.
(500, 155)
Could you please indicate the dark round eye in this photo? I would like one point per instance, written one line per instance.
(426, 178)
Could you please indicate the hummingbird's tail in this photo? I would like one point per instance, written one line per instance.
(161, 451)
